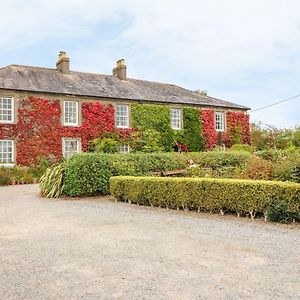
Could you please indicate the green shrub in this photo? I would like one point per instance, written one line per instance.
(280, 212)
(147, 140)
(216, 159)
(287, 170)
(38, 170)
(240, 196)
(16, 175)
(242, 147)
(105, 145)
(89, 173)
(51, 183)
(258, 168)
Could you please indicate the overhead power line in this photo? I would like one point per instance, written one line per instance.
(278, 102)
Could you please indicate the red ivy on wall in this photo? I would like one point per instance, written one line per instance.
(207, 117)
(39, 131)
(238, 128)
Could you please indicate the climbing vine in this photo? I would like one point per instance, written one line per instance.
(208, 128)
(39, 132)
(238, 128)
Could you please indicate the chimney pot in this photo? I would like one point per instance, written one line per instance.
(63, 63)
(120, 70)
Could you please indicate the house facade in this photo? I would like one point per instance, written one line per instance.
(55, 113)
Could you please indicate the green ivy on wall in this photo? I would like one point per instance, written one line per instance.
(191, 134)
(155, 117)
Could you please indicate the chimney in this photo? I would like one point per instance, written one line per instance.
(63, 63)
(120, 70)
(201, 92)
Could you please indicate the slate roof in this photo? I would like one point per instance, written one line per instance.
(46, 80)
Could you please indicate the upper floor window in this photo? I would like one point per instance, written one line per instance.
(70, 147)
(175, 118)
(6, 151)
(219, 121)
(6, 110)
(71, 113)
(122, 116)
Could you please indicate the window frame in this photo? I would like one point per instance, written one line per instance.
(179, 119)
(66, 139)
(222, 122)
(77, 113)
(12, 121)
(13, 158)
(127, 116)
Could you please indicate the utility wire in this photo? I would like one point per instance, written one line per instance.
(281, 101)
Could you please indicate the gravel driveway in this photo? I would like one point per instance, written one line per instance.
(98, 249)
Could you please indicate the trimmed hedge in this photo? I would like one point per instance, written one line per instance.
(89, 173)
(240, 196)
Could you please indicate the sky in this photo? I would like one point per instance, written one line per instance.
(247, 52)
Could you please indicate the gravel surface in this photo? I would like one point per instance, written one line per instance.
(100, 249)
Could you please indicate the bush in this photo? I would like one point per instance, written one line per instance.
(240, 196)
(217, 159)
(242, 147)
(51, 183)
(16, 175)
(258, 168)
(89, 173)
(105, 145)
(287, 170)
(280, 212)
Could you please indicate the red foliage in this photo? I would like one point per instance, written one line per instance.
(207, 116)
(39, 131)
(238, 128)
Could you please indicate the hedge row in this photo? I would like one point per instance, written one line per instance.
(89, 173)
(239, 196)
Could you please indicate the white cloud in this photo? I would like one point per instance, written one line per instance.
(246, 51)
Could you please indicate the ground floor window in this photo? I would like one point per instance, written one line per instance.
(124, 148)
(6, 151)
(70, 147)
(219, 121)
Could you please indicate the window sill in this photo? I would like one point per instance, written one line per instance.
(7, 165)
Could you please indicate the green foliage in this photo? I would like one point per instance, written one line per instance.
(287, 170)
(105, 145)
(258, 168)
(240, 196)
(16, 175)
(40, 168)
(216, 159)
(191, 135)
(147, 140)
(279, 211)
(242, 147)
(155, 117)
(51, 183)
(88, 174)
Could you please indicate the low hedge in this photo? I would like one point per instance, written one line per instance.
(235, 195)
(89, 173)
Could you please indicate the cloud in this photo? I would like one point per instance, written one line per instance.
(243, 51)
